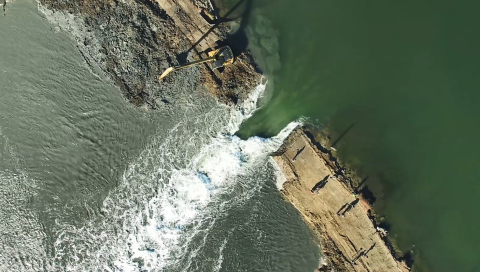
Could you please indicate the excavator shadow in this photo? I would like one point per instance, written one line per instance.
(237, 41)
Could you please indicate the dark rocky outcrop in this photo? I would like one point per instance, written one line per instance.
(134, 41)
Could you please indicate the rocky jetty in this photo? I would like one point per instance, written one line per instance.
(134, 41)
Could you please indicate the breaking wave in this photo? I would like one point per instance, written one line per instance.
(170, 196)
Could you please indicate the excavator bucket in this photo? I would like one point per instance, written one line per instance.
(168, 71)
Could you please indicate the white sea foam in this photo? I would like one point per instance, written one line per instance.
(169, 196)
(280, 177)
(219, 262)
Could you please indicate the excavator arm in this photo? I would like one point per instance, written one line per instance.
(220, 57)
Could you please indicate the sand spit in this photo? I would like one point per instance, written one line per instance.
(348, 237)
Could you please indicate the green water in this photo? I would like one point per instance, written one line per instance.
(405, 73)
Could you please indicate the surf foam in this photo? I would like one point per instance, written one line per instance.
(167, 197)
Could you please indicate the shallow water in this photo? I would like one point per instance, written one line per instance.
(89, 183)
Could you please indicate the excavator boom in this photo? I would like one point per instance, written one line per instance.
(220, 57)
(171, 69)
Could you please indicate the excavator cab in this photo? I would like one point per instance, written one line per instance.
(219, 57)
(224, 56)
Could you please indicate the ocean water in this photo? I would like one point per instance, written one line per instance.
(90, 183)
(403, 75)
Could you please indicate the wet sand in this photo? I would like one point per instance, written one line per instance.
(349, 239)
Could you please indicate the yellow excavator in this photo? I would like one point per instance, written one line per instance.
(218, 58)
